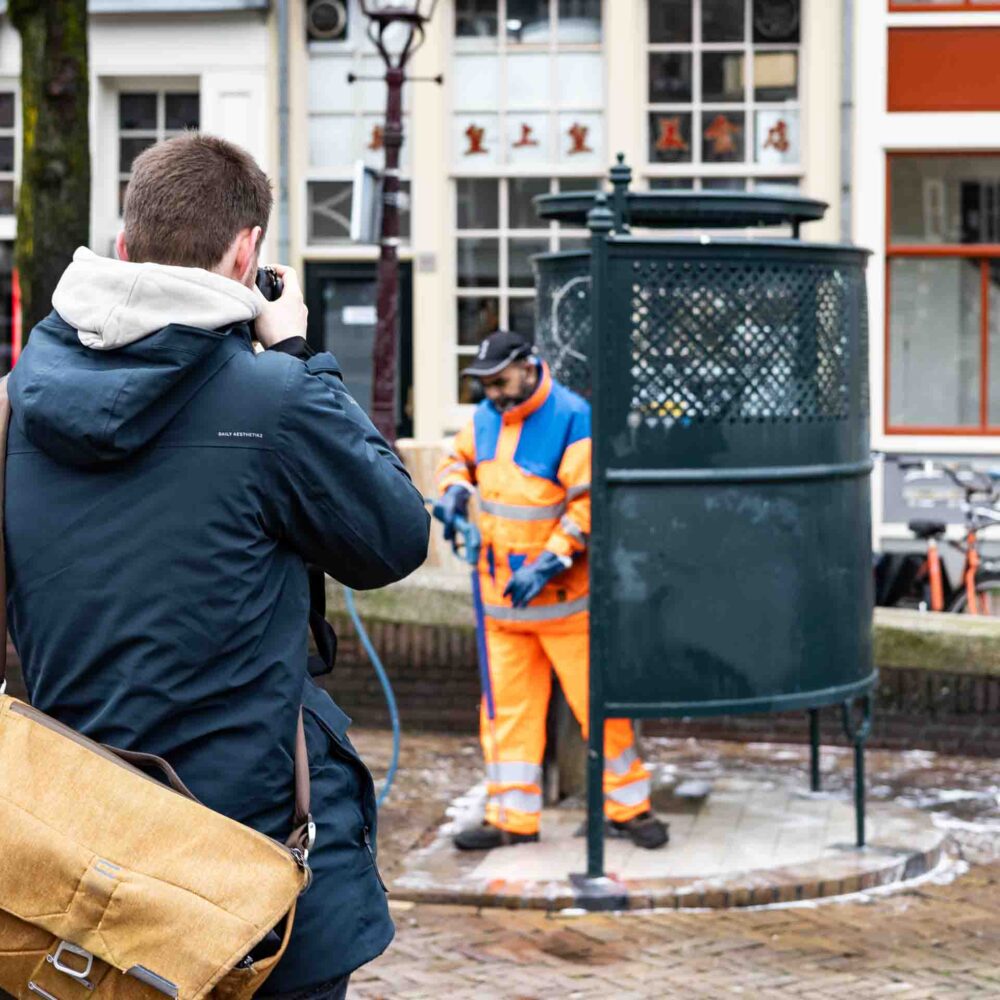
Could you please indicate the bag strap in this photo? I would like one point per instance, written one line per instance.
(303, 833)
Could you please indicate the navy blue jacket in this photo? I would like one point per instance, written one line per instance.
(162, 500)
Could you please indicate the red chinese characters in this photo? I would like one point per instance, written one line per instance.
(527, 137)
(578, 137)
(670, 138)
(722, 134)
(377, 140)
(777, 137)
(476, 136)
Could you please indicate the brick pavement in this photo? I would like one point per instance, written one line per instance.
(930, 940)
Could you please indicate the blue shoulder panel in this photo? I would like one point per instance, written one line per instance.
(486, 424)
(543, 439)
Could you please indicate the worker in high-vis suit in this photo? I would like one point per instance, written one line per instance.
(526, 453)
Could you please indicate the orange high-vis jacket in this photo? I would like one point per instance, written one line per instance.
(531, 468)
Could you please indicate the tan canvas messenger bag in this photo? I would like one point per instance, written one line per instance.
(114, 885)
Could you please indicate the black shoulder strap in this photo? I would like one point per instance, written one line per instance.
(4, 425)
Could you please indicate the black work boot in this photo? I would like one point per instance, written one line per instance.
(644, 830)
(485, 836)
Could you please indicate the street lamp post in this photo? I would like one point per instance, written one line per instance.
(396, 28)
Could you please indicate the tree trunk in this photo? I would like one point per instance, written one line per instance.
(53, 209)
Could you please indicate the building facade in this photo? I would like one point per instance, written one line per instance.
(884, 109)
(157, 67)
(539, 96)
(926, 192)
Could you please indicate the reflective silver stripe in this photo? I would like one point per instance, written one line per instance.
(515, 772)
(621, 764)
(572, 529)
(631, 795)
(527, 802)
(521, 512)
(541, 613)
(577, 491)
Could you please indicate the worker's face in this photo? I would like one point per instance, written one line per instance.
(512, 386)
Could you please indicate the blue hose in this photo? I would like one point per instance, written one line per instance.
(390, 698)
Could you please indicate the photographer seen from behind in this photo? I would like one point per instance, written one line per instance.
(165, 488)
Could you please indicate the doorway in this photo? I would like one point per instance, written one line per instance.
(341, 299)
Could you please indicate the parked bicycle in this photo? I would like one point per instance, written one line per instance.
(925, 581)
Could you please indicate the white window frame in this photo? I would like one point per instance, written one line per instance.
(361, 58)
(696, 170)
(160, 88)
(552, 171)
(8, 222)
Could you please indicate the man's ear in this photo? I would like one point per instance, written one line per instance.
(246, 253)
(120, 248)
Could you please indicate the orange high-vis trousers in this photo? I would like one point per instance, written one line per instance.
(520, 666)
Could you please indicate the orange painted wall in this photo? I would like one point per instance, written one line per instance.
(944, 69)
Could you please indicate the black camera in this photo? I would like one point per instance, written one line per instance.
(270, 284)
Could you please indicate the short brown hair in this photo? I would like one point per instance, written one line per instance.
(189, 197)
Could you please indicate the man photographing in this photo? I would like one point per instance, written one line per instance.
(165, 488)
(527, 453)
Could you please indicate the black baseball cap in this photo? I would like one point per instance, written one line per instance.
(497, 351)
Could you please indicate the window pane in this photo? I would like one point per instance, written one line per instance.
(528, 21)
(329, 211)
(777, 185)
(182, 111)
(722, 138)
(6, 197)
(579, 22)
(670, 78)
(478, 263)
(529, 81)
(777, 137)
(122, 188)
(934, 342)
(776, 20)
(520, 253)
(522, 316)
(581, 79)
(580, 183)
(670, 20)
(775, 76)
(994, 390)
(6, 153)
(521, 208)
(722, 76)
(476, 18)
(478, 204)
(671, 184)
(129, 149)
(574, 243)
(137, 111)
(724, 184)
(476, 82)
(6, 109)
(945, 199)
(670, 138)
(476, 318)
(722, 20)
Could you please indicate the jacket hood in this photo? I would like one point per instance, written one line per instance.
(125, 349)
(112, 303)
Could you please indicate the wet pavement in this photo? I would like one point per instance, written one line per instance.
(938, 936)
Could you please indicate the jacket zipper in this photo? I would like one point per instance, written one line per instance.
(371, 854)
(30, 712)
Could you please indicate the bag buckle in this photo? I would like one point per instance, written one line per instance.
(79, 974)
(310, 834)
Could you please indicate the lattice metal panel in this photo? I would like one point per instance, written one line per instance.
(562, 329)
(740, 342)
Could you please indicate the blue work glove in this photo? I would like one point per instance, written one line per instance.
(527, 583)
(454, 504)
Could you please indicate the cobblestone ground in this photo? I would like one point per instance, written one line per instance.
(937, 938)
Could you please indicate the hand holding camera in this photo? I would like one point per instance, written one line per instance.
(284, 314)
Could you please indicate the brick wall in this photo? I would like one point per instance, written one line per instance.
(433, 673)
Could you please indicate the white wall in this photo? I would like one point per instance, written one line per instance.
(225, 57)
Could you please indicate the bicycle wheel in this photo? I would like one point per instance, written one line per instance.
(987, 594)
